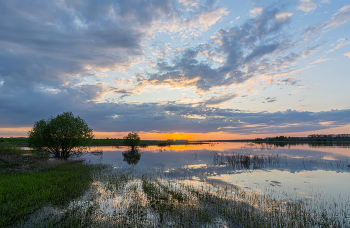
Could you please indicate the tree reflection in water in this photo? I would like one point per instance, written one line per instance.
(132, 157)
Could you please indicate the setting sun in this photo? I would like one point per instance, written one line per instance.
(178, 136)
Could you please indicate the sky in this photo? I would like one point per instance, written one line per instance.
(177, 69)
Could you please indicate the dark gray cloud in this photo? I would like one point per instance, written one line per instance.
(220, 99)
(46, 42)
(270, 99)
(123, 92)
(288, 81)
(247, 50)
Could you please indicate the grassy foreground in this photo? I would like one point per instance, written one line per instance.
(30, 181)
(22, 194)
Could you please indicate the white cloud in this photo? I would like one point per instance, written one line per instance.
(210, 18)
(188, 2)
(310, 51)
(283, 16)
(192, 27)
(342, 42)
(256, 11)
(347, 54)
(307, 6)
(339, 18)
(320, 60)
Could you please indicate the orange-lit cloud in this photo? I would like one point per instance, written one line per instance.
(14, 132)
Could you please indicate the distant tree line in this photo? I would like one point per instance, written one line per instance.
(310, 138)
(330, 137)
(282, 139)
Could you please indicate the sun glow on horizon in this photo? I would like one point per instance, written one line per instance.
(178, 136)
(23, 132)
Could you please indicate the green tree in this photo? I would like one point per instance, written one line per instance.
(60, 135)
(132, 140)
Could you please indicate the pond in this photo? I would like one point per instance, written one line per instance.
(312, 179)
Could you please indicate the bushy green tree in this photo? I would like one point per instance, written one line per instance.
(60, 135)
(132, 140)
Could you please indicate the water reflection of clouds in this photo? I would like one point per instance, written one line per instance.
(200, 162)
(291, 160)
(329, 158)
(301, 171)
(195, 166)
(242, 147)
(302, 183)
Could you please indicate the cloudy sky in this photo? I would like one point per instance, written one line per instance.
(191, 69)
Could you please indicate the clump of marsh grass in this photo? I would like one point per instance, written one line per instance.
(15, 159)
(239, 161)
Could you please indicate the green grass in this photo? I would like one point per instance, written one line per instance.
(7, 147)
(14, 141)
(22, 194)
(13, 158)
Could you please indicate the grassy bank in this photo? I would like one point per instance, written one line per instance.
(30, 181)
(22, 194)
(14, 141)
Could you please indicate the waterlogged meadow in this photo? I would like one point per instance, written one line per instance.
(208, 185)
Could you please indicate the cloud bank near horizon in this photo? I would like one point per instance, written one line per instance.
(168, 117)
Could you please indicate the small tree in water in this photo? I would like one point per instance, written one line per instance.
(132, 140)
(60, 135)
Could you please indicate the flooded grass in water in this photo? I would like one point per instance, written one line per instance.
(119, 198)
(109, 196)
(247, 161)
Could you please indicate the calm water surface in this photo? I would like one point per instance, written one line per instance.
(227, 184)
(295, 171)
